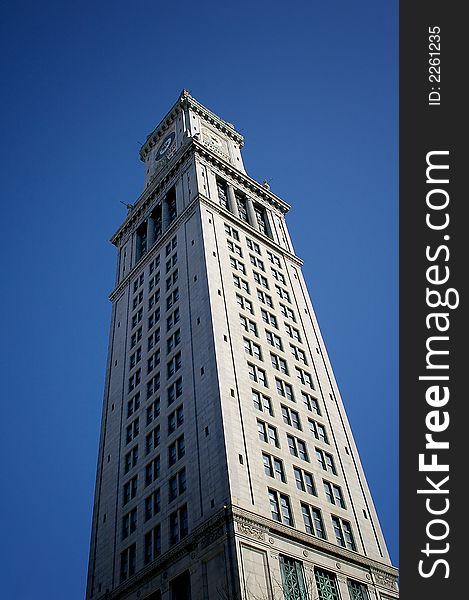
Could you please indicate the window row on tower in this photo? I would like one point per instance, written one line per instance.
(153, 478)
(256, 301)
(243, 207)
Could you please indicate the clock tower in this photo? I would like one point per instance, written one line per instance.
(227, 468)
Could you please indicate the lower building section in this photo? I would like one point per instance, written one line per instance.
(237, 555)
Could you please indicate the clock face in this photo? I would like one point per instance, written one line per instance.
(165, 145)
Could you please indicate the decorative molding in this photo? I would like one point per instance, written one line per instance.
(313, 543)
(384, 579)
(186, 101)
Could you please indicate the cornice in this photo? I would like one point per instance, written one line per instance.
(229, 216)
(253, 185)
(203, 535)
(173, 166)
(256, 526)
(185, 100)
(155, 249)
(148, 195)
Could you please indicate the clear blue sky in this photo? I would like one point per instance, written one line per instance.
(313, 87)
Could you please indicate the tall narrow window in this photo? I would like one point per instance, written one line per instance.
(327, 585)
(222, 190)
(292, 579)
(171, 204)
(357, 590)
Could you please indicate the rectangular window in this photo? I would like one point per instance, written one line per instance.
(135, 357)
(292, 332)
(177, 485)
(238, 265)
(241, 203)
(269, 318)
(152, 544)
(326, 461)
(176, 450)
(174, 391)
(173, 341)
(318, 430)
(273, 467)
(170, 263)
(154, 318)
(131, 431)
(279, 363)
(153, 411)
(304, 481)
(154, 281)
(133, 405)
(154, 338)
(291, 417)
(173, 365)
(232, 247)
(131, 459)
(153, 361)
(267, 433)
(172, 298)
(172, 319)
(299, 354)
(357, 590)
(257, 374)
(278, 276)
(128, 562)
(284, 389)
(297, 447)
(282, 293)
(343, 533)
(334, 494)
(311, 403)
(153, 385)
(248, 325)
(152, 504)
(326, 583)
(152, 439)
(129, 523)
(312, 519)
(304, 378)
(265, 298)
(274, 340)
(273, 259)
(152, 471)
(170, 246)
(153, 299)
(240, 283)
(172, 279)
(175, 419)
(287, 312)
(260, 279)
(137, 300)
(292, 579)
(253, 246)
(137, 317)
(280, 507)
(257, 262)
(135, 379)
(130, 490)
(262, 403)
(178, 525)
(136, 337)
(232, 232)
(259, 211)
(244, 303)
(252, 348)
(155, 263)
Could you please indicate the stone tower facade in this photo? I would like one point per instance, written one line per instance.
(227, 468)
